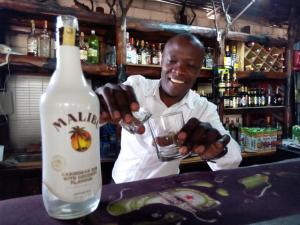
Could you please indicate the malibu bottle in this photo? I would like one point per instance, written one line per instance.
(69, 112)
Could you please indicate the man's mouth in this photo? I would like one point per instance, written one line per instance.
(177, 81)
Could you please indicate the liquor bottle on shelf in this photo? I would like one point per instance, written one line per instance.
(32, 41)
(154, 56)
(226, 124)
(255, 97)
(234, 59)
(110, 55)
(69, 115)
(234, 84)
(148, 53)
(159, 53)
(246, 97)
(233, 130)
(144, 53)
(133, 51)
(128, 49)
(238, 129)
(268, 122)
(209, 59)
(269, 98)
(94, 49)
(221, 85)
(277, 99)
(138, 51)
(243, 101)
(262, 101)
(83, 48)
(44, 47)
(52, 47)
(250, 98)
(227, 57)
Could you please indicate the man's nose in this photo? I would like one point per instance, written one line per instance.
(179, 69)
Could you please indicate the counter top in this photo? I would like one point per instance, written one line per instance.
(246, 195)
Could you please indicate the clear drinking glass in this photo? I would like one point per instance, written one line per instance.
(140, 117)
(164, 130)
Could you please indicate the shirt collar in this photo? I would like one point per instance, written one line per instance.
(154, 92)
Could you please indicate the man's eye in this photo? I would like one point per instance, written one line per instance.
(192, 65)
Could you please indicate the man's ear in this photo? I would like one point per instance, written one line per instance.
(162, 58)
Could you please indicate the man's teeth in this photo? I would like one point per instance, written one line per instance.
(177, 81)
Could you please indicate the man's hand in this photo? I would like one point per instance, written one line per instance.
(117, 101)
(202, 139)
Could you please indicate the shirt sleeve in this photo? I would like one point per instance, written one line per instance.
(233, 157)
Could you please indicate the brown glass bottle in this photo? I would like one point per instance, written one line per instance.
(277, 99)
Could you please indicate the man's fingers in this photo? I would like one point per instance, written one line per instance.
(111, 104)
(186, 130)
(131, 98)
(217, 149)
(224, 140)
(123, 106)
(104, 113)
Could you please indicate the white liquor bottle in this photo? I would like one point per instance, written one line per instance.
(44, 48)
(69, 113)
(32, 41)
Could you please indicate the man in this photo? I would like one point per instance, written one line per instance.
(203, 132)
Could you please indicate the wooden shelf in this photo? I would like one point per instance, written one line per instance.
(46, 64)
(143, 25)
(53, 9)
(261, 153)
(257, 109)
(153, 71)
(261, 75)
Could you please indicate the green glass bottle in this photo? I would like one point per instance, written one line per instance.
(93, 52)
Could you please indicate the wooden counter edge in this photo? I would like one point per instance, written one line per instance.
(197, 159)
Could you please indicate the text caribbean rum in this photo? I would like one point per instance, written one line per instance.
(69, 112)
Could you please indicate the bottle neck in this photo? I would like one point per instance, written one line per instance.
(68, 67)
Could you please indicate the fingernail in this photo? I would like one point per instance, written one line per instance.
(134, 106)
(104, 115)
(183, 150)
(128, 118)
(141, 129)
(182, 135)
(117, 114)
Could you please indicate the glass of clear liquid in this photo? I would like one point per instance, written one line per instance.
(140, 117)
(164, 130)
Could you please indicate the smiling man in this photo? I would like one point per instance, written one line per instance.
(203, 132)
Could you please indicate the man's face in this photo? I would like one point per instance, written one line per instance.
(181, 64)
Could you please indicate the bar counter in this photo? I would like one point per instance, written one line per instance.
(264, 194)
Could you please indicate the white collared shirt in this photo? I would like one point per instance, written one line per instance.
(138, 160)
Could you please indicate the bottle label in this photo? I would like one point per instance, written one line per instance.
(71, 156)
(69, 36)
(155, 60)
(227, 61)
(92, 52)
(32, 48)
(83, 54)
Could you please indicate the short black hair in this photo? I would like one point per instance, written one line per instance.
(189, 36)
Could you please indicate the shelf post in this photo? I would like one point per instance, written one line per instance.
(121, 27)
(293, 35)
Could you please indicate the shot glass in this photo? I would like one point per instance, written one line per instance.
(164, 130)
(140, 117)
